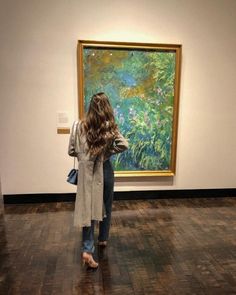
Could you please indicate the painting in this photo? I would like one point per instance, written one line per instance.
(142, 82)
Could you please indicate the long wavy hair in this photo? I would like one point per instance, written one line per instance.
(99, 124)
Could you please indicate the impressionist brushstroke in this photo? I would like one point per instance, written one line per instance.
(140, 85)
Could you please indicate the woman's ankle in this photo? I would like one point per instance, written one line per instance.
(102, 243)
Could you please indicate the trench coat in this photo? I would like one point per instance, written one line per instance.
(89, 204)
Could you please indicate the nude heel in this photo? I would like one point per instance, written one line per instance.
(87, 260)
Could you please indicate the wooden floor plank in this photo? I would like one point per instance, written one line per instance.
(167, 246)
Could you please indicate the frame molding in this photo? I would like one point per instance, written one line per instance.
(133, 45)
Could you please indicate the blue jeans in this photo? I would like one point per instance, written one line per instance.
(104, 225)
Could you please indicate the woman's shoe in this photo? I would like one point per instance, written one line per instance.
(102, 243)
(87, 259)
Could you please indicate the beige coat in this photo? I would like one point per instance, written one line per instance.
(89, 203)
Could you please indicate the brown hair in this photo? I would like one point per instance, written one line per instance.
(99, 124)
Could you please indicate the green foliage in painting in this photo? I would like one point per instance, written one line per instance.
(140, 85)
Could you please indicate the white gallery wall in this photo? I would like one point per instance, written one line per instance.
(38, 79)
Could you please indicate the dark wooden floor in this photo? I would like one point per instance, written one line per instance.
(156, 247)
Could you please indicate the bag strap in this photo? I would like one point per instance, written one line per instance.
(76, 135)
(74, 162)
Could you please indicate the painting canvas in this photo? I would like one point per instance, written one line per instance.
(142, 83)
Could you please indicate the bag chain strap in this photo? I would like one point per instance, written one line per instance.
(76, 135)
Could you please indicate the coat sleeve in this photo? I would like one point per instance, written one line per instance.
(73, 145)
(120, 144)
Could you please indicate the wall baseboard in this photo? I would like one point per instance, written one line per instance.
(129, 195)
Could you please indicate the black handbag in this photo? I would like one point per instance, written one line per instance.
(72, 177)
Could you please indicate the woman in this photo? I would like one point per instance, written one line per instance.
(93, 140)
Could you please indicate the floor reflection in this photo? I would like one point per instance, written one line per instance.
(155, 247)
(6, 271)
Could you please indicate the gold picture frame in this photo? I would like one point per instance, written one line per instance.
(147, 75)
